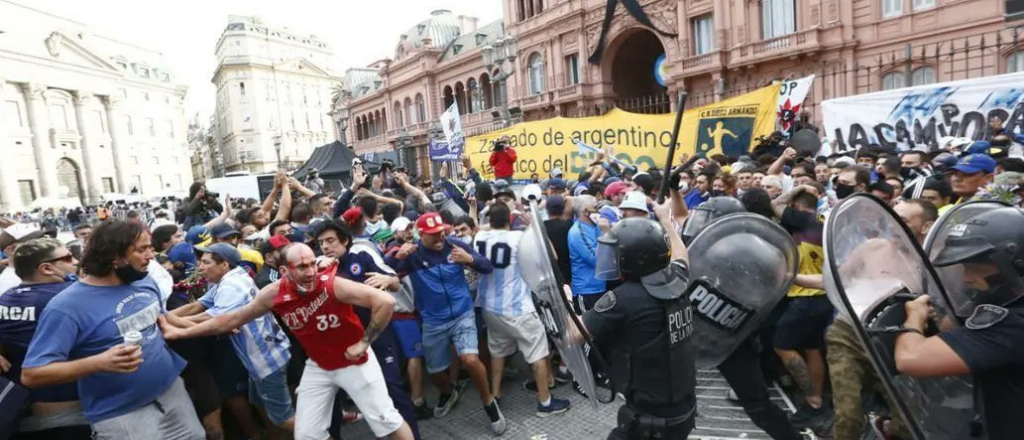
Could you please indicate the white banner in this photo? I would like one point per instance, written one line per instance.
(918, 116)
(791, 99)
(452, 126)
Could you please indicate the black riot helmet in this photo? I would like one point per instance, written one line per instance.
(707, 212)
(993, 238)
(633, 248)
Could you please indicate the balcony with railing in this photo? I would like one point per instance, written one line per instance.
(791, 45)
(708, 62)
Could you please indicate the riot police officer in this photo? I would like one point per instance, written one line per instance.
(644, 328)
(742, 368)
(989, 248)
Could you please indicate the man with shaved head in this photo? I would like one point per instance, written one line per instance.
(317, 308)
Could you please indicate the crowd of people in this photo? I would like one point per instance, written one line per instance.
(321, 309)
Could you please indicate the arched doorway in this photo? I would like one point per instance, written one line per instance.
(69, 180)
(630, 63)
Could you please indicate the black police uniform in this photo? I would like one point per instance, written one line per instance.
(651, 356)
(992, 345)
(742, 370)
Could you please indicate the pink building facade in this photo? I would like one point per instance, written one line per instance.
(712, 49)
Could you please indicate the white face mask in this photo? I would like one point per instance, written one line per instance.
(595, 217)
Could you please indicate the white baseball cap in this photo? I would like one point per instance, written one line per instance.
(635, 200)
(533, 192)
(400, 224)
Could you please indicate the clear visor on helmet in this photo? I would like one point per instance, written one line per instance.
(984, 281)
(607, 267)
(696, 222)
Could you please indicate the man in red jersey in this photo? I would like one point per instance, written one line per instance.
(317, 307)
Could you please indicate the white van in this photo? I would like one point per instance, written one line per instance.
(240, 184)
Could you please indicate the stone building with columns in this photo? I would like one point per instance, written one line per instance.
(573, 58)
(84, 114)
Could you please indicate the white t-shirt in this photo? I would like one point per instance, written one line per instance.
(8, 280)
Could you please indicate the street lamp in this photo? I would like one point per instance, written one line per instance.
(494, 57)
(403, 143)
(341, 118)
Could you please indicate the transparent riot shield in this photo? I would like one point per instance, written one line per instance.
(874, 266)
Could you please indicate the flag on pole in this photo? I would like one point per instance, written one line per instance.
(791, 99)
(452, 126)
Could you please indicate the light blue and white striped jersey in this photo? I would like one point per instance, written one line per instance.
(503, 291)
(260, 344)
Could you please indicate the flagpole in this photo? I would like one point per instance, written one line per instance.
(666, 174)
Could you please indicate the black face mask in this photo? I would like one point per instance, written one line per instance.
(717, 193)
(129, 274)
(843, 191)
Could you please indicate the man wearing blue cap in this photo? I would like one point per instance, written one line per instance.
(261, 345)
(970, 174)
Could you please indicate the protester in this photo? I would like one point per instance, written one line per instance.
(260, 345)
(80, 337)
(512, 320)
(583, 235)
(44, 265)
(317, 307)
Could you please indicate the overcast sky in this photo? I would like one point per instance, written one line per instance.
(186, 31)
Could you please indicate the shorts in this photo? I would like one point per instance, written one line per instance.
(803, 323)
(526, 332)
(272, 394)
(363, 383)
(409, 336)
(460, 332)
(202, 388)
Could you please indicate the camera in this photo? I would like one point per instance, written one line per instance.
(212, 195)
(387, 164)
(500, 145)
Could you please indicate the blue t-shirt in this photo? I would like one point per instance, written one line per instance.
(20, 308)
(86, 320)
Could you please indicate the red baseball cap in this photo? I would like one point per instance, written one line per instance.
(615, 189)
(430, 223)
(352, 216)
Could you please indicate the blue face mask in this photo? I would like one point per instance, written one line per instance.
(70, 278)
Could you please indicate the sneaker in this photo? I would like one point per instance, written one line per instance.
(807, 416)
(531, 386)
(446, 402)
(556, 406)
(350, 416)
(498, 425)
(424, 412)
(562, 376)
(579, 389)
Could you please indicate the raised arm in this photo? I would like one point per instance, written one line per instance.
(268, 204)
(294, 184)
(284, 209)
(776, 168)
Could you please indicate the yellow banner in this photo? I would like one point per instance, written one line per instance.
(727, 127)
